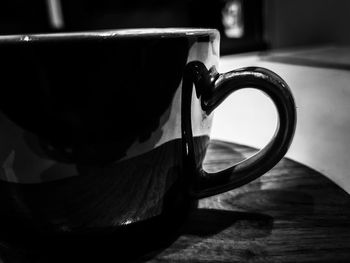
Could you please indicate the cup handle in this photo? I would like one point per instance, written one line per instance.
(212, 88)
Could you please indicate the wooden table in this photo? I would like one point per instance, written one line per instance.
(291, 214)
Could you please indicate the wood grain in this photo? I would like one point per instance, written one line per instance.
(291, 214)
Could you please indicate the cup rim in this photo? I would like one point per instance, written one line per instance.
(171, 32)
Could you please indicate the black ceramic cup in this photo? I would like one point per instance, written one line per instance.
(103, 135)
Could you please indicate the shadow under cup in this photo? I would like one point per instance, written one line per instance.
(90, 130)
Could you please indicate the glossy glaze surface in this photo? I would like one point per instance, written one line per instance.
(90, 130)
(71, 101)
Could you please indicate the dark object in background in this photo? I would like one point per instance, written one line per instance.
(111, 14)
(240, 22)
(25, 17)
(22, 16)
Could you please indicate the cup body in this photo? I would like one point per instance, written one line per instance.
(90, 129)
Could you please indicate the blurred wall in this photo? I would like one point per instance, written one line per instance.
(306, 22)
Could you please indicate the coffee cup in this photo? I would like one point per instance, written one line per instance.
(104, 133)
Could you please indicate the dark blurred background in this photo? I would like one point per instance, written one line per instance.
(245, 25)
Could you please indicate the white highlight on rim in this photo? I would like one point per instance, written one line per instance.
(132, 32)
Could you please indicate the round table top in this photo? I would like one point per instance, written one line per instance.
(290, 214)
